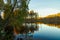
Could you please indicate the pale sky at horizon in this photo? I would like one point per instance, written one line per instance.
(45, 7)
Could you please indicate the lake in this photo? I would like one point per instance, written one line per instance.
(46, 32)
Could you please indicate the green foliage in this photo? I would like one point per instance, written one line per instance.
(1, 4)
(10, 19)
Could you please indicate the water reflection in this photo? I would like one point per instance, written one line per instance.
(47, 32)
(44, 32)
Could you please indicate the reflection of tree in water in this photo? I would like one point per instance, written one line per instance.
(52, 20)
(28, 28)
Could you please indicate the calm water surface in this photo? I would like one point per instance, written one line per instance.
(46, 32)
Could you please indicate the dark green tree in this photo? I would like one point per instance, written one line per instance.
(11, 20)
(14, 16)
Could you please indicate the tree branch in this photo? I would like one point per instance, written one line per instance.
(7, 20)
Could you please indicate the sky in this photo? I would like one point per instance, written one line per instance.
(45, 7)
